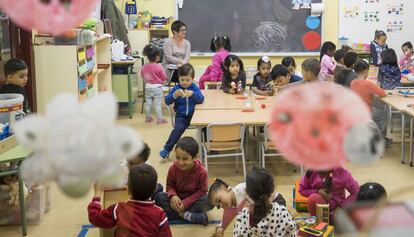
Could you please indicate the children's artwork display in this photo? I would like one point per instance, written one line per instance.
(77, 144)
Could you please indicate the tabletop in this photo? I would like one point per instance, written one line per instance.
(398, 102)
(126, 62)
(246, 116)
(218, 100)
(16, 153)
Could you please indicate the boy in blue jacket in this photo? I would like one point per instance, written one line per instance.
(185, 96)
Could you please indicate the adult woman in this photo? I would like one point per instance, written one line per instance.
(177, 50)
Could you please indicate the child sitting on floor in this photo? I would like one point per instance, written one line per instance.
(187, 181)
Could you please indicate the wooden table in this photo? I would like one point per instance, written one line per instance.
(205, 117)
(128, 64)
(218, 100)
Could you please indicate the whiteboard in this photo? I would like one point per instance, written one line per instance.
(358, 20)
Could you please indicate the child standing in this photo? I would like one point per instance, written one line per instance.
(234, 77)
(327, 62)
(187, 183)
(136, 217)
(154, 76)
(220, 45)
(328, 187)
(406, 60)
(16, 73)
(263, 217)
(389, 74)
(185, 96)
(290, 63)
(377, 46)
(261, 80)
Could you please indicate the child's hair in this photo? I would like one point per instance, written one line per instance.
(176, 26)
(217, 184)
(220, 42)
(326, 47)
(279, 70)
(328, 180)
(344, 77)
(259, 187)
(361, 65)
(14, 65)
(339, 54)
(388, 56)
(346, 48)
(288, 61)
(186, 70)
(350, 59)
(142, 181)
(145, 153)
(371, 192)
(151, 52)
(312, 65)
(227, 62)
(189, 145)
(407, 44)
(378, 34)
(263, 60)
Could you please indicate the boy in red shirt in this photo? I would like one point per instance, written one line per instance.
(187, 182)
(138, 216)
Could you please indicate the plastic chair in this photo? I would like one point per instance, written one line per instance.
(225, 137)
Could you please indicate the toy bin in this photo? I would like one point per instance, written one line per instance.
(11, 110)
(300, 203)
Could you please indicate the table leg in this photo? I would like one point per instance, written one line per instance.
(402, 138)
(411, 141)
(199, 140)
(22, 207)
(129, 92)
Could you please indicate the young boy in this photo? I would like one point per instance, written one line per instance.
(350, 58)
(136, 217)
(339, 58)
(16, 72)
(187, 183)
(185, 96)
(290, 63)
(310, 70)
(280, 76)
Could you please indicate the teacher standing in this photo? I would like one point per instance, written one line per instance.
(177, 50)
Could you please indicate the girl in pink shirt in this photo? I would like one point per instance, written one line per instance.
(326, 58)
(328, 187)
(154, 76)
(220, 45)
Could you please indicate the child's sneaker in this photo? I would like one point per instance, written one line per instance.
(148, 120)
(196, 217)
(164, 153)
(161, 121)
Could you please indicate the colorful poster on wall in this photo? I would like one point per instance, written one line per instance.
(395, 26)
(371, 16)
(351, 12)
(396, 10)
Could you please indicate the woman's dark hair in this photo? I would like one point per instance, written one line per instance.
(263, 60)
(217, 184)
(378, 34)
(186, 70)
(371, 192)
(339, 54)
(142, 181)
(361, 65)
(227, 62)
(176, 26)
(288, 61)
(350, 59)
(388, 56)
(259, 187)
(326, 47)
(14, 65)
(220, 42)
(328, 180)
(189, 145)
(151, 52)
(407, 44)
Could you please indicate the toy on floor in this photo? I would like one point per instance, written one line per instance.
(77, 144)
(10, 183)
(310, 124)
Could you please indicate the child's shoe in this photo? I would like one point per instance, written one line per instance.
(148, 120)
(296, 7)
(196, 217)
(161, 121)
(164, 153)
(306, 6)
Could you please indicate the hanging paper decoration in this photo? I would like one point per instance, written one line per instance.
(77, 144)
(310, 122)
(48, 16)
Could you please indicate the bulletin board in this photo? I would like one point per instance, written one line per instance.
(358, 20)
(254, 26)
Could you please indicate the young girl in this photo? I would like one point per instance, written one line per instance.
(389, 74)
(406, 60)
(290, 63)
(234, 77)
(261, 80)
(263, 217)
(154, 76)
(327, 63)
(220, 45)
(377, 46)
(328, 187)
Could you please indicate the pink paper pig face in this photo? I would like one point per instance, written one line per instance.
(311, 121)
(48, 16)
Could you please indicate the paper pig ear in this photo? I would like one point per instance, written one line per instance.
(364, 143)
(48, 16)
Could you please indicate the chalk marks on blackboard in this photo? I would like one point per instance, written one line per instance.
(269, 34)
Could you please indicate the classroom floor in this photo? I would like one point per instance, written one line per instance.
(68, 215)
